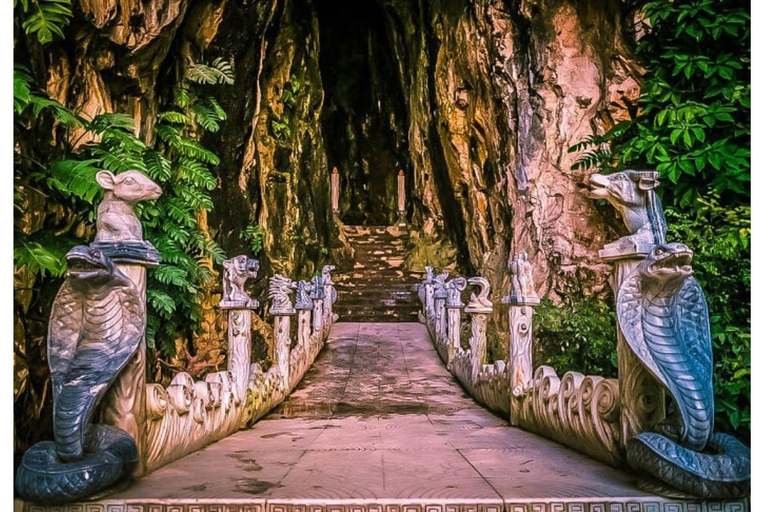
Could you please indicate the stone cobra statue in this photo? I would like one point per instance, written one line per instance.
(664, 317)
(237, 271)
(96, 325)
(632, 194)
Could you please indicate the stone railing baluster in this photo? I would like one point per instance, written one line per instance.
(238, 306)
(479, 307)
(304, 306)
(318, 302)
(453, 306)
(282, 310)
(520, 301)
(329, 292)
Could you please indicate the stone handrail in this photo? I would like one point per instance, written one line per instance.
(581, 412)
(188, 414)
(97, 354)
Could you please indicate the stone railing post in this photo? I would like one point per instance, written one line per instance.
(520, 301)
(453, 306)
(440, 294)
(479, 307)
(318, 301)
(429, 295)
(330, 297)
(238, 305)
(335, 191)
(304, 306)
(279, 289)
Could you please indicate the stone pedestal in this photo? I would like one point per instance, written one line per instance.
(641, 396)
(281, 355)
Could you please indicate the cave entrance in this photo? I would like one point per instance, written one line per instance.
(363, 119)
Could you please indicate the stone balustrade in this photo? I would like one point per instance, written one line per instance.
(188, 414)
(579, 411)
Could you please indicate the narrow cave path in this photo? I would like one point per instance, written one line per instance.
(379, 422)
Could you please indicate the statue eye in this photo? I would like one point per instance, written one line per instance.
(130, 181)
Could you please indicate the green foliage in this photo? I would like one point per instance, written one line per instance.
(179, 163)
(281, 125)
(577, 335)
(720, 239)
(693, 123)
(45, 18)
(254, 235)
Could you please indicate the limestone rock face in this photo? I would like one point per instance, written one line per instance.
(476, 101)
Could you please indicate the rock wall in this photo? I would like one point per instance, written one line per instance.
(477, 101)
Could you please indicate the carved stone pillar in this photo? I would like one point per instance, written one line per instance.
(304, 306)
(479, 308)
(401, 198)
(329, 292)
(440, 313)
(279, 289)
(318, 300)
(238, 305)
(453, 307)
(521, 300)
(641, 396)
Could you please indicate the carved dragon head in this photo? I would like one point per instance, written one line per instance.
(303, 291)
(280, 288)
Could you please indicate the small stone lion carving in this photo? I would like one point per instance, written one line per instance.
(279, 292)
(237, 271)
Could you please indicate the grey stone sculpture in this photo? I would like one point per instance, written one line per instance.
(96, 325)
(664, 317)
(303, 299)
(237, 271)
(632, 194)
(279, 292)
(523, 288)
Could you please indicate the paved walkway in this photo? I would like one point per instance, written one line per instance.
(379, 418)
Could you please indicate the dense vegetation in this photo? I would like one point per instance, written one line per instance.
(55, 193)
(692, 124)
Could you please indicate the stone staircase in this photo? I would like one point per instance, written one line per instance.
(378, 288)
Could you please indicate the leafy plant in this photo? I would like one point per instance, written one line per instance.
(254, 235)
(45, 18)
(692, 124)
(576, 335)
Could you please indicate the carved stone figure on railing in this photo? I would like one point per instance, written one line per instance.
(523, 287)
(96, 332)
(237, 271)
(280, 289)
(479, 303)
(330, 296)
(632, 194)
(664, 317)
(303, 299)
(454, 287)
